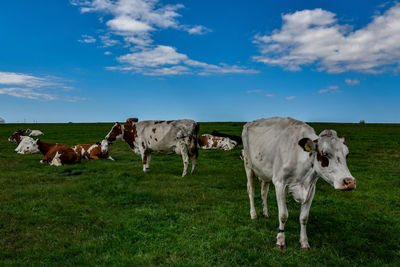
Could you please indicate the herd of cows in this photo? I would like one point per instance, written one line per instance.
(284, 151)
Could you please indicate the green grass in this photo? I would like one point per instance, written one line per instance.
(114, 214)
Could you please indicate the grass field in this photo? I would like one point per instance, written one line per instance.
(111, 213)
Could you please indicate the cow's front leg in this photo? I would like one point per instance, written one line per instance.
(283, 215)
(305, 210)
(144, 160)
(148, 155)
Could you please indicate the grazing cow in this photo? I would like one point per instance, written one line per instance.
(289, 154)
(93, 151)
(236, 138)
(59, 155)
(167, 137)
(208, 141)
(34, 132)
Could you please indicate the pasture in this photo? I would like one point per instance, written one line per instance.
(111, 213)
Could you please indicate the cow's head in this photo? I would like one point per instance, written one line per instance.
(104, 146)
(329, 153)
(116, 133)
(28, 131)
(16, 135)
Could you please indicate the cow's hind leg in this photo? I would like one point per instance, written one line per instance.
(250, 188)
(283, 215)
(185, 157)
(194, 154)
(264, 195)
(148, 155)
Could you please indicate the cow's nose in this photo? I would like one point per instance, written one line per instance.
(349, 184)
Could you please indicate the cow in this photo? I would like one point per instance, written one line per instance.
(208, 141)
(93, 151)
(26, 144)
(166, 137)
(288, 153)
(34, 132)
(59, 155)
(236, 138)
(17, 136)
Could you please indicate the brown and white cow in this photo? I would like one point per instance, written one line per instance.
(208, 141)
(93, 151)
(26, 144)
(166, 137)
(59, 155)
(289, 154)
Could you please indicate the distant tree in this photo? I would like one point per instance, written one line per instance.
(2, 120)
(362, 121)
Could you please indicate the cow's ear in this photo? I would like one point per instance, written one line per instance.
(307, 144)
(344, 138)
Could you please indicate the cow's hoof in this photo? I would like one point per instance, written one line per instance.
(305, 246)
(265, 214)
(253, 215)
(281, 247)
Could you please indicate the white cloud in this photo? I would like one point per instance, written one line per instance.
(314, 37)
(132, 23)
(160, 55)
(165, 60)
(351, 82)
(255, 91)
(31, 87)
(290, 97)
(269, 95)
(87, 39)
(107, 53)
(331, 89)
(29, 93)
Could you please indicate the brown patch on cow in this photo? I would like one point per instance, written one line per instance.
(44, 147)
(168, 122)
(155, 139)
(154, 130)
(129, 134)
(324, 160)
(215, 142)
(148, 142)
(67, 154)
(130, 120)
(143, 145)
(151, 137)
(202, 140)
(158, 122)
(144, 160)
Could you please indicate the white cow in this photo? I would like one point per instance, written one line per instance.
(166, 137)
(289, 154)
(34, 132)
(27, 145)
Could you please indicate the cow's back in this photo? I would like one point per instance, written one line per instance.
(271, 145)
(163, 136)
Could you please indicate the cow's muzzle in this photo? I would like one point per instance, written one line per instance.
(348, 184)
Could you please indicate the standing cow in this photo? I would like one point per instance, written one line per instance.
(289, 154)
(167, 137)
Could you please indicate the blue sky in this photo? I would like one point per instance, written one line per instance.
(107, 60)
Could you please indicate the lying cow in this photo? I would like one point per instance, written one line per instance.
(93, 151)
(167, 137)
(59, 155)
(26, 144)
(17, 136)
(208, 141)
(236, 138)
(289, 154)
(34, 132)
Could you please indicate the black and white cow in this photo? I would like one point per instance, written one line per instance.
(166, 137)
(289, 154)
